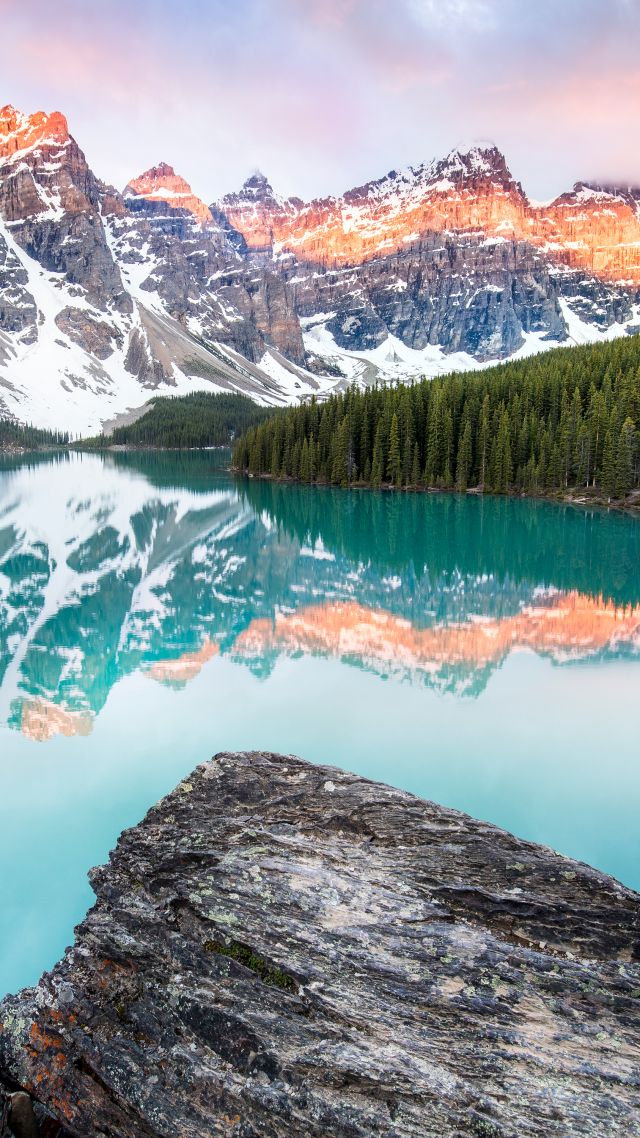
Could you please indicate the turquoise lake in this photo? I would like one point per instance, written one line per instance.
(484, 653)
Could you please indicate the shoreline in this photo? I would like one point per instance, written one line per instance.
(580, 497)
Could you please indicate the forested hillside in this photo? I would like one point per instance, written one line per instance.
(16, 436)
(566, 418)
(197, 420)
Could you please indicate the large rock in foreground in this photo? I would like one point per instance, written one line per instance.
(282, 949)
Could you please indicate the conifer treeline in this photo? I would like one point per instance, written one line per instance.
(14, 434)
(564, 418)
(200, 419)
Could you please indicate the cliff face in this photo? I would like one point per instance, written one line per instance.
(593, 228)
(50, 201)
(286, 949)
(107, 296)
(104, 297)
(462, 192)
(451, 255)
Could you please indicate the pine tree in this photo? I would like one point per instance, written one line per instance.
(305, 468)
(483, 439)
(463, 463)
(608, 465)
(377, 462)
(415, 466)
(624, 459)
(394, 468)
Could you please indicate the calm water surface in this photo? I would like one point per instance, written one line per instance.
(485, 654)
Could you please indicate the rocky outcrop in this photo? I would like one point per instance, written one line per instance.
(50, 199)
(18, 310)
(161, 184)
(285, 949)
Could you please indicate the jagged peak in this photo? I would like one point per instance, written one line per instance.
(475, 164)
(161, 184)
(20, 132)
(157, 173)
(477, 161)
(255, 191)
(596, 191)
(11, 119)
(259, 182)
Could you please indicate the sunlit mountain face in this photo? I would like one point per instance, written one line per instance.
(591, 227)
(157, 572)
(108, 297)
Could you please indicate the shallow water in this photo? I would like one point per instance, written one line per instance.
(483, 653)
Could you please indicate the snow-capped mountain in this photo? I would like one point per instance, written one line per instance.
(107, 298)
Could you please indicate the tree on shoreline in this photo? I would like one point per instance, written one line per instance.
(565, 418)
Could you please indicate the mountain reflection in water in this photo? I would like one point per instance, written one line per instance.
(482, 653)
(144, 563)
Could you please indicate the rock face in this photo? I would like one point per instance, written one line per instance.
(171, 250)
(282, 949)
(162, 184)
(106, 297)
(450, 255)
(592, 228)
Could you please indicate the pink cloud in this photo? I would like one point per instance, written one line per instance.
(324, 94)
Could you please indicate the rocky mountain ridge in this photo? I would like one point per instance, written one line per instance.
(162, 184)
(107, 297)
(594, 228)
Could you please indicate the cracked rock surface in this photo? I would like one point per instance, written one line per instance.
(281, 949)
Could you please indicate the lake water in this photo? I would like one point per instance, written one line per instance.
(482, 653)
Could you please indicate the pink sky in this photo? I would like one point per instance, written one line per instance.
(326, 94)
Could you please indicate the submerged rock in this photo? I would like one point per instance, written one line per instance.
(281, 949)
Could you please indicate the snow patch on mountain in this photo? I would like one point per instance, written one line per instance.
(392, 361)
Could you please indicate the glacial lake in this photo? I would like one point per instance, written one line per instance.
(153, 610)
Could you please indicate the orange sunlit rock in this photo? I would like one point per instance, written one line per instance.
(162, 184)
(597, 230)
(178, 672)
(565, 626)
(42, 720)
(20, 132)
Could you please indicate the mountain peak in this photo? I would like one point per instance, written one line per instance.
(162, 170)
(161, 184)
(257, 186)
(473, 163)
(20, 132)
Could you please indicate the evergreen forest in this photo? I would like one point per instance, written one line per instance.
(201, 419)
(17, 436)
(567, 418)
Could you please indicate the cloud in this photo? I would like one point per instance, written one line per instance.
(324, 94)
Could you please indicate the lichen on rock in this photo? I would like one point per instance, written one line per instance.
(282, 949)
